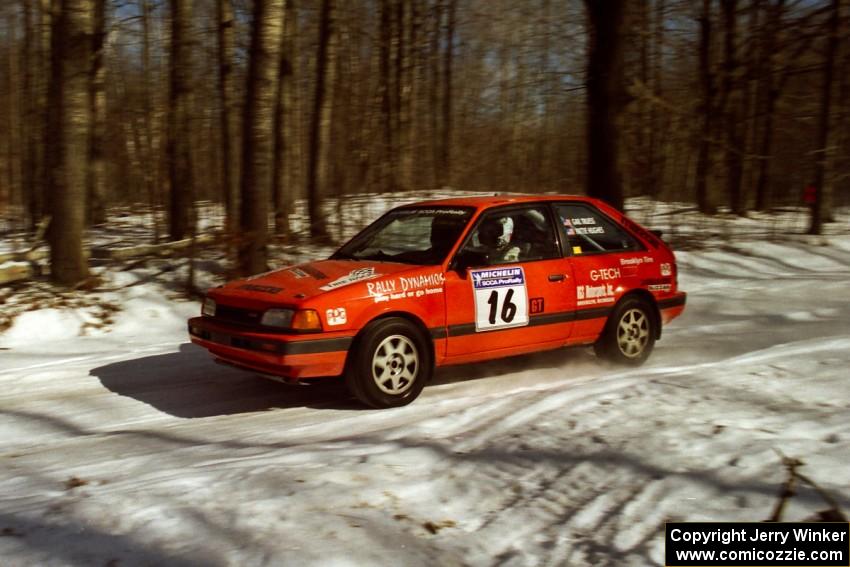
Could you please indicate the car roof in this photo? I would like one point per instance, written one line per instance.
(487, 201)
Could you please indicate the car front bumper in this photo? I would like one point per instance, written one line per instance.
(287, 356)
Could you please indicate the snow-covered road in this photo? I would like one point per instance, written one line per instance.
(131, 447)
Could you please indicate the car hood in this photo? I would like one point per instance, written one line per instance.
(295, 284)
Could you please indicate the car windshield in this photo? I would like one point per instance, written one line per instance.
(410, 235)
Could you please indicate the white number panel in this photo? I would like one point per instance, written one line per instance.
(501, 298)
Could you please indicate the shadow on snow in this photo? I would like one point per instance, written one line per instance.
(189, 384)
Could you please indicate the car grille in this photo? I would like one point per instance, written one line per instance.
(237, 315)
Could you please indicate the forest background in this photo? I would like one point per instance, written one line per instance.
(731, 106)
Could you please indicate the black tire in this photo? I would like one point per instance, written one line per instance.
(389, 364)
(629, 334)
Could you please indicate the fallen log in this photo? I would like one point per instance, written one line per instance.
(14, 271)
(31, 255)
(163, 249)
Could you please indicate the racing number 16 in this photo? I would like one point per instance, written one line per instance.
(508, 307)
(501, 298)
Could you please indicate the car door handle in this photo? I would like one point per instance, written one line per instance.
(556, 277)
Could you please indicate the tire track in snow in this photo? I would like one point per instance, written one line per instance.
(157, 348)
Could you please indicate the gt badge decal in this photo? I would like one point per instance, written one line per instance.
(535, 305)
(351, 277)
(501, 298)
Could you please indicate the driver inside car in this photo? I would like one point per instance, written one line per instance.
(495, 235)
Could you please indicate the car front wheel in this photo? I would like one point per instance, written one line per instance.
(390, 364)
(629, 335)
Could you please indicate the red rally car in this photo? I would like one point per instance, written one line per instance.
(448, 282)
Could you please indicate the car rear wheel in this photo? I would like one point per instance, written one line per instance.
(629, 335)
(390, 363)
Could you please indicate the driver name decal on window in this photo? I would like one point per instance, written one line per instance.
(584, 225)
(501, 298)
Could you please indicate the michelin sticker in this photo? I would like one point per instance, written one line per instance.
(501, 298)
(357, 275)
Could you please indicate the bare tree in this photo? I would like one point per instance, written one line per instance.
(388, 154)
(227, 111)
(68, 137)
(33, 86)
(605, 98)
(179, 150)
(822, 156)
(707, 109)
(732, 100)
(96, 180)
(444, 166)
(318, 165)
(257, 136)
(284, 125)
(769, 93)
(150, 145)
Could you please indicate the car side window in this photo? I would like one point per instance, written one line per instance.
(514, 235)
(588, 231)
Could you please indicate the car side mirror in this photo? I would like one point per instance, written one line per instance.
(470, 259)
(658, 233)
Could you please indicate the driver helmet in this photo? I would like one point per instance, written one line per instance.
(496, 232)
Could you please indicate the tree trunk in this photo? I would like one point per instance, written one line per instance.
(257, 134)
(769, 94)
(284, 130)
(753, 94)
(708, 88)
(389, 158)
(660, 122)
(405, 93)
(33, 85)
(68, 134)
(818, 210)
(179, 151)
(445, 164)
(319, 167)
(763, 194)
(605, 97)
(732, 97)
(434, 78)
(228, 110)
(14, 135)
(96, 182)
(150, 174)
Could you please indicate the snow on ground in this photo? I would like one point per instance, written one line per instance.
(129, 446)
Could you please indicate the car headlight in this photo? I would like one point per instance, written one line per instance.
(277, 318)
(208, 308)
